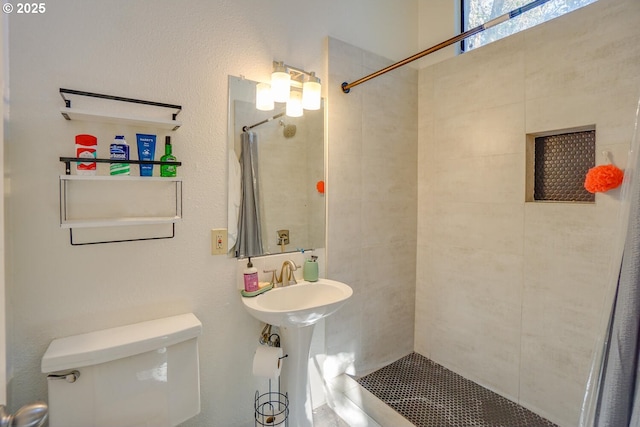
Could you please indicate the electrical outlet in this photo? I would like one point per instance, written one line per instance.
(218, 241)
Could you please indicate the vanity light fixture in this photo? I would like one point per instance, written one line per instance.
(298, 88)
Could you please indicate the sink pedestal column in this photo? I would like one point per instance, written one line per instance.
(296, 342)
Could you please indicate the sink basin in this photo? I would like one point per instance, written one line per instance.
(298, 305)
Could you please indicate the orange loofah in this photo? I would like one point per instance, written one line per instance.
(603, 178)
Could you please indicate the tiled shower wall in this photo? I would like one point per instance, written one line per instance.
(372, 202)
(510, 294)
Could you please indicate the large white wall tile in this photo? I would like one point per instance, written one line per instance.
(373, 135)
(592, 52)
(476, 318)
(492, 131)
(490, 226)
(481, 79)
(482, 179)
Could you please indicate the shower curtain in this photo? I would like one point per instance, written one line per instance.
(619, 395)
(249, 241)
(617, 400)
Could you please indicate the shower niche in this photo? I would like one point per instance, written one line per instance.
(557, 163)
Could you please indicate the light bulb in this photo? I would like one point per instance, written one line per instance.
(294, 104)
(264, 97)
(280, 82)
(311, 95)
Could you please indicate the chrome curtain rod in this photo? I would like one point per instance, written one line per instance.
(346, 87)
(246, 128)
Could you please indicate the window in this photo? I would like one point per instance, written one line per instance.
(477, 12)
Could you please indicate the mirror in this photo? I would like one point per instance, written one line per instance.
(286, 161)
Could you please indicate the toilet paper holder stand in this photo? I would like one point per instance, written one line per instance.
(271, 408)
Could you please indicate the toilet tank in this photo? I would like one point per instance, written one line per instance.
(141, 375)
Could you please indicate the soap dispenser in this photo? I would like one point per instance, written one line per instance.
(250, 278)
(310, 269)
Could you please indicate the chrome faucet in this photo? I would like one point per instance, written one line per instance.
(288, 267)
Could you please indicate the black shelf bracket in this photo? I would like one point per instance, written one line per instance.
(67, 102)
(171, 236)
(67, 162)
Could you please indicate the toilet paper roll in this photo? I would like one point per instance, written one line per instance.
(267, 361)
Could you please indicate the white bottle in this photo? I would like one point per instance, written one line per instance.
(250, 278)
(119, 150)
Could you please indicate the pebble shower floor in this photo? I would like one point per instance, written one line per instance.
(429, 395)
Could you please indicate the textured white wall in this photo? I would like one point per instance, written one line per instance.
(508, 293)
(168, 51)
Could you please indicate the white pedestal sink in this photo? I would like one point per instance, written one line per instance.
(296, 309)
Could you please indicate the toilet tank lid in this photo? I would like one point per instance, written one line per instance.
(110, 344)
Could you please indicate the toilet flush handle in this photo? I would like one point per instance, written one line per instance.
(70, 377)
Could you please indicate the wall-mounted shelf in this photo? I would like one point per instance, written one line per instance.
(92, 116)
(65, 222)
(102, 116)
(70, 113)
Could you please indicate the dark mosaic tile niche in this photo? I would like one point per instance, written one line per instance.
(561, 164)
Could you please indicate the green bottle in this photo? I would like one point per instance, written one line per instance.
(167, 170)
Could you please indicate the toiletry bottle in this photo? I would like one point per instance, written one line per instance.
(167, 170)
(310, 269)
(86, 147)
(250, 278)
(146, 151)
(119, 150)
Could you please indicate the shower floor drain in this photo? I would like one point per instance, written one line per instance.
(429, 395)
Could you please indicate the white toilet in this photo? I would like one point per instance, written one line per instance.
(141, 375)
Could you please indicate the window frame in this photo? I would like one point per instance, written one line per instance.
(463, 5)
